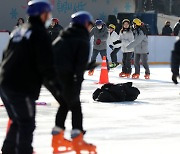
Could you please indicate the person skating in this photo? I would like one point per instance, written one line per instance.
(140, 46)
(175, 62)
(27, 64)
(126, 36)
(72, 47)
(54, 29)
(100, 33)
(115, 44)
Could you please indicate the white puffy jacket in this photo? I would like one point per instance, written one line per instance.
(126, 37)
(113, 37)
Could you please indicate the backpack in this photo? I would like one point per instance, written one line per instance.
(116, 93)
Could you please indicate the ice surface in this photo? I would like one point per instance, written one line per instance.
(150, 125)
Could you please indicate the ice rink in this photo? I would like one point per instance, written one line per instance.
(150, 125)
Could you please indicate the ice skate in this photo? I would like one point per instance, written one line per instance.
(60, 144)
(113, 65)
(91, 72)
(147, 76)
(122, 75)
(80, 145)
(135, 76)
(128, 75)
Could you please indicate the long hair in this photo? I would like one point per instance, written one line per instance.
(18, 21)
(143, 28)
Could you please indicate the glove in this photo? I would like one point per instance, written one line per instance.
(174, 79)
(98, 41)
(92, 65)
(111, 47)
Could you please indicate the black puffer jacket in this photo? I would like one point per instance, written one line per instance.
(28, 60)
(54, 31)
(175, 59)
(71, 53)
(116, 93)
(167, 30)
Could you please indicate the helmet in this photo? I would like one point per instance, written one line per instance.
(37, 7)
(125, 20)
(81, 18)
(56, 20)
(112, 26)
(137, 21)
(99, 22)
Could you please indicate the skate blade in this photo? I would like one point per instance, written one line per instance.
(85, 152)
(123, 76)
(135, 78)
(63, 151)
(90, 74)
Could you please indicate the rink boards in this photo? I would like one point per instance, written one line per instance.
(160, 48)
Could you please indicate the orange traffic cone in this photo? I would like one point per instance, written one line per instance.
(8, 125)
(104, 78)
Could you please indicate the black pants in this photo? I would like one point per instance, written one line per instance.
(114, 55)
(126, 68)
(70, 102)
(21, 110)
(144, 59)
(102, 53)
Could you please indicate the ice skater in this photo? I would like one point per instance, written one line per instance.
(114, 43)
(126, 36)
(100, 33)
(27, 64)
(140, 46)
(175, 62)
(72, 47)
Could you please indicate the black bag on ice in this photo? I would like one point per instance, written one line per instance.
(116, 93)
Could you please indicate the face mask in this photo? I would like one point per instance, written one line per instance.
(48, 23)
(99, 27)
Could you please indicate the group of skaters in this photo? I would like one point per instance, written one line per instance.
(132, 40)
(32, 60)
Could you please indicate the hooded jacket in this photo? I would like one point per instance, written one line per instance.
(140, 43)
(101, 34)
